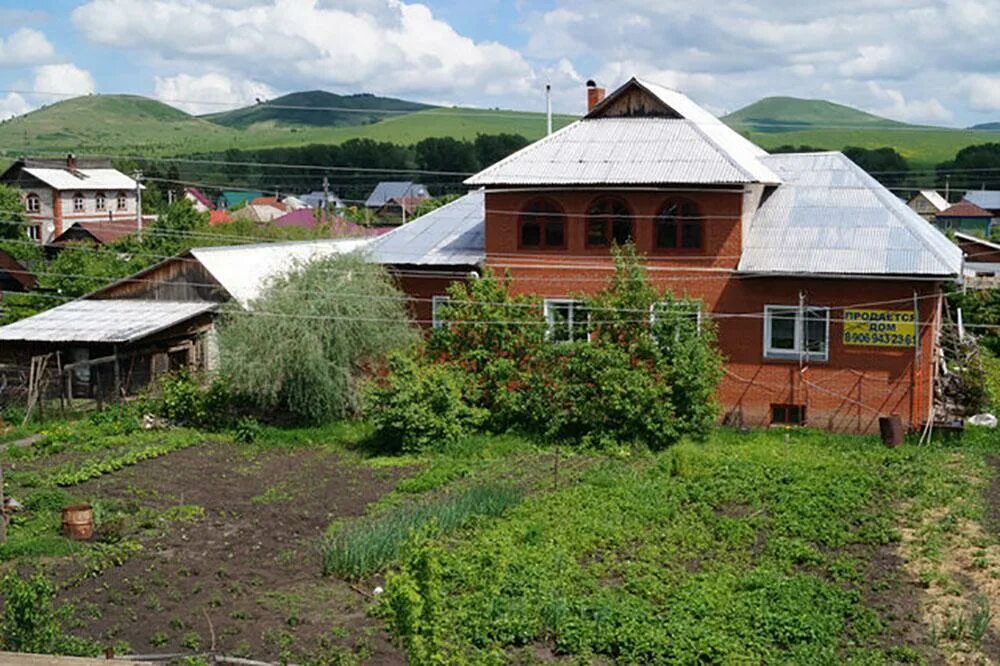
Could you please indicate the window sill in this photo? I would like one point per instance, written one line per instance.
(794, 357)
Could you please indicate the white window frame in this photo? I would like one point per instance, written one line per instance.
(799, 352)
(100, 201)
(35, 232)
(574, 304)
(436, 303)
(79, 203)
(33, 203)
(696, 312)
(121, 201)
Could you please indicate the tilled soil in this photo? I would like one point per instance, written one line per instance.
(249, 571)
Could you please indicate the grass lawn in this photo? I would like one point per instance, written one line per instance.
(748, 548)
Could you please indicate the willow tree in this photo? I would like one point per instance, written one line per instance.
(302, 345)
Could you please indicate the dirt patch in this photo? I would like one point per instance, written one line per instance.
(248, 571)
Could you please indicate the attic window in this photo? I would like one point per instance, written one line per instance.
(609, 220)
(679, 228)
(33, 203)
(542, 225)
(101, 201)
(78, 202)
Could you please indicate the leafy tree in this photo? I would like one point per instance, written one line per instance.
(885, 164)
(491, 148)
(11, 214)
(446, 154)
(308, 338)
(974, 168)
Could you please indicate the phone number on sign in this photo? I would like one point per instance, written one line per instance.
(889, 339)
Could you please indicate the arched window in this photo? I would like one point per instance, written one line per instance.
(78, 202)
(542, 225)
(101, 201)
(33, 203)
(679, 228)
(608, 220)
(122, 201)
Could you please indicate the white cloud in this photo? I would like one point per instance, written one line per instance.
(982, 92)
(13, 104)
(65, 78)
(381, 46)
(896, 106)
(210, 92)
(25, 47)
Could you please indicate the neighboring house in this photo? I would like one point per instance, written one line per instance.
(259, 213)
(399, 208)
(228, 200)
(985, 199)
(219, 217)
(982, 261)
(307, 218)
(825, 289)
(14, 276)
(95, 233)
(316, 199)
(927, 204)
(387, 191)
(59, 193)
(201, 203)
(966, 217)
(121, 337)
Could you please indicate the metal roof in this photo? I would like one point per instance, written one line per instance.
(244, 270)
(964, 209)
(390, 189)
(988, 199)
(934, 198)
(830, 217)
(693, 148)
(111, 321)
(451, 235)
(82, 179)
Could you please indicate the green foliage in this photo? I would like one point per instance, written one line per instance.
(890, 168)
(646, 376)
(247, 430)
(310, 336)
(370, 544)
(413, 598)
(30, 621)
(11, 214)
(73, 473)
(420, 407)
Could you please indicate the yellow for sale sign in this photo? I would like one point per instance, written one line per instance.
(880, 328)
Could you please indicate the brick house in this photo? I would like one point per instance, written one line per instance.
(59, 193)
(824, 287)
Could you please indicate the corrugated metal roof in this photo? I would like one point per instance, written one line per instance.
(696, 148)
(988, 199)
(243, 270)
(451, 235)
(111, 321)
(935, 199)
(390, 189)
(82, 179)
(830, 217)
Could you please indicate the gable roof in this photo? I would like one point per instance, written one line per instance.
(200, 197)
(830, 217)
(934, 198)
(82, 179)
(17, 272)
(393, 189)
(988, 199)
(452, 235)
(964, 209)
(230, 199)
(101, 232)
(677, 141)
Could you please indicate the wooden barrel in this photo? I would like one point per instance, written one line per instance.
(78, 521)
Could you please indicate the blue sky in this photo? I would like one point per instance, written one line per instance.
(932, 61)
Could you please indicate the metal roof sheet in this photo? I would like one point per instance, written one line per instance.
(244, 270)
(935, 199)
(82, 179)
(988, 199)
(391, 189)
(450, 235)
(111, 321)
(830, 217)
(696, 148)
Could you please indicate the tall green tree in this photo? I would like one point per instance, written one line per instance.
(11, 214)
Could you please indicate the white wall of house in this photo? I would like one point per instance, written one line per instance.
(45, 216)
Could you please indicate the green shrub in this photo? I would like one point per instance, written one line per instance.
(413, 600)
(247, 430)
(30, 621)
(420, 407)
(182, 399)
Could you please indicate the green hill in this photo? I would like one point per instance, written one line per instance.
(785, 114)
(316, 108)
(986, 126)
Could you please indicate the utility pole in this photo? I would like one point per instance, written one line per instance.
(947, 187)
(138, 203)
(548, 107)
(326, 196)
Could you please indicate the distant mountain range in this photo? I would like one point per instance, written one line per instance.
(135, 125)
(987, 126)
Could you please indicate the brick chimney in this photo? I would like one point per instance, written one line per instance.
(71, 162)
(595, 95)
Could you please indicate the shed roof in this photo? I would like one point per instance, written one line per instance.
(964, 209)
(110, 321)
(82, 179)
(244, 270)
(988, 199)
(830, 217)
(452, 235)
(681, 143)
(391, 189)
